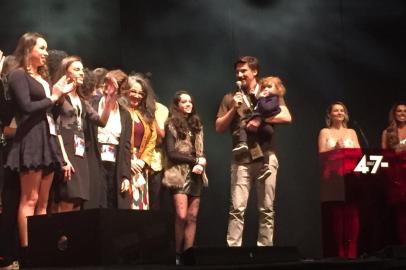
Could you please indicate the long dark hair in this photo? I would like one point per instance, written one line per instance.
(54, 60)
(181, 123)
(147, 106)
(63, 68)
(392, 138)
(23, 49)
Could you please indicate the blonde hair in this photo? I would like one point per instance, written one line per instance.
(330, 108)
(280, 88)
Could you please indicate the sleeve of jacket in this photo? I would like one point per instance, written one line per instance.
(146, 155)
(21, 93)
(126, 140)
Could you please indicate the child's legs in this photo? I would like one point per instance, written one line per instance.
(265, 132)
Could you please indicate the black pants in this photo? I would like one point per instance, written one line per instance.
(160, 197)
(108, 185)
(264, 132)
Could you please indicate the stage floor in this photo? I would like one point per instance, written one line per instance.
(308, 264)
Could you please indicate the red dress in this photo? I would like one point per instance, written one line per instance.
(340, 214)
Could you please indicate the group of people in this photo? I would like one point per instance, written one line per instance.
(66, 147)
(70, 144)
(341, 207)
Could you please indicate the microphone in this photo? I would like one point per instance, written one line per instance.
(239, 84)
(364, 138)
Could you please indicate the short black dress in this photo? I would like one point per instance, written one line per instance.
(70, 127)
(33, 146)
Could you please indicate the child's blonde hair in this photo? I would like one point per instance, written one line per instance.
(280, 88)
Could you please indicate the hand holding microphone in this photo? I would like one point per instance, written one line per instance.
(238, 97)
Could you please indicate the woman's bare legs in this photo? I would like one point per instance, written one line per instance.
(30, 182)
(181, 206)
(43, 194)
(190, 228)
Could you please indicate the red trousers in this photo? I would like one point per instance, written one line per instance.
(340, 229)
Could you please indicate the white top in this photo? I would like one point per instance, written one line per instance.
(47, 90)
(332, 142)
(110, 134)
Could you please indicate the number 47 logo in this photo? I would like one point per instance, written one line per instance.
(374, 161)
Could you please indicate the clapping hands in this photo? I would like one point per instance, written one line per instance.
(200, 164)
(2, 57)
(62, 87)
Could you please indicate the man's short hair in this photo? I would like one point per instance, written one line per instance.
(250, 60)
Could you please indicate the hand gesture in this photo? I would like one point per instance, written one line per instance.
(400, 148)
(111, 86)
(2, 57)
(340, 144)
(137, 165)
(63, 86)
(254, 123)
(201, 161)
(237, 99)
(125, 185)
(197, 169)
(68, 170)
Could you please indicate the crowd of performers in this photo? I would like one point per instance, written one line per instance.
(74, 138)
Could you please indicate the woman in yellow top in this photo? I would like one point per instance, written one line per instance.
(140, 101)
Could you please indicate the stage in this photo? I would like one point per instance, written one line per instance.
(126, 239)
(325, 264)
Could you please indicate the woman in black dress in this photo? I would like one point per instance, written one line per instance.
(35, 153)
(75, 115)
(184, 174)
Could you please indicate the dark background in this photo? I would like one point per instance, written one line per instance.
(347, 50)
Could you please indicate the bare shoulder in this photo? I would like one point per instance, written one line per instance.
(323, 131)
(352, 131)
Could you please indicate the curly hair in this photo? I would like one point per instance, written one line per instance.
(54, 60)
(181, 123)
(89, 83)
(392, 138)
(147, 107)
(268, 81)
(330, 108)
